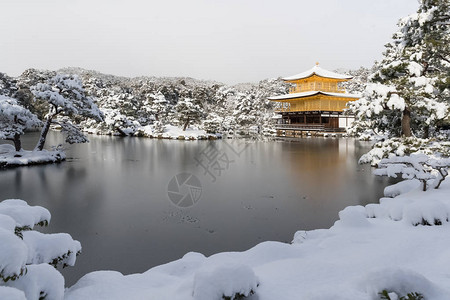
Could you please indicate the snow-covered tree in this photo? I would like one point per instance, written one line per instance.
(213, 123)
(66, 96)
(7, 85)
(159, 107)
(359, 80)
(188, 110)
(15, 120)
(409, 93)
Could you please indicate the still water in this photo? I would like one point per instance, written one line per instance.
(112, 195)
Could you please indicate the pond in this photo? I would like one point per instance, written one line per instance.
(122, 198)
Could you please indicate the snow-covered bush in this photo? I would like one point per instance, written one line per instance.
(226, 282)
(405, 146)
(28, 258)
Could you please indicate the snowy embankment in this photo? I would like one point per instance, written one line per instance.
(368, 250)
(9, 157)
(174, 132)
(168, 132)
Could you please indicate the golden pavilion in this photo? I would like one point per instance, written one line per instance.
(315, 102)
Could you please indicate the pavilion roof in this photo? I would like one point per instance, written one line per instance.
(313, 93)
(316, 70)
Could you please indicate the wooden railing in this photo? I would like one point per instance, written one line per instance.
(308, 127)
(300, 126)
(296, 89)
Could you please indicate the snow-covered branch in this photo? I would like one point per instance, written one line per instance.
(415, 166)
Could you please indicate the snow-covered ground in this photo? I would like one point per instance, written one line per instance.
(9, 157)
(368, 250)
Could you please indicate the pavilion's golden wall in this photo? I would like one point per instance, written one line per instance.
(316, 83)
(317, 103)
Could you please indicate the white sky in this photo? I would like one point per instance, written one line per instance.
(224, 40)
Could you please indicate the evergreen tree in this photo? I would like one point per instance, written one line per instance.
(65, 96)
(15, 120)
(188, 110)
(409, 93)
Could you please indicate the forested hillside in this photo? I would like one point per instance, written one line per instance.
(148, 106)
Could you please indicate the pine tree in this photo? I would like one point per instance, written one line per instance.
(188, 110)
(15, 120)
(65, 96)
(409, 94)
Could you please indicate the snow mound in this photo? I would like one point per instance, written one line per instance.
(353, 216)
(401, 188)
(228, 280)
(413, 207)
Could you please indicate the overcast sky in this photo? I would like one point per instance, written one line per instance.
(224, 40)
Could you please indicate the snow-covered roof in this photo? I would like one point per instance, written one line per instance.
(316, 70)
(313, 93)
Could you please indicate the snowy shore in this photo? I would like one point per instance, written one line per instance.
(9, 157)
(399, 246)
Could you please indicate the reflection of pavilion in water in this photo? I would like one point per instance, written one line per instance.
(320, 167)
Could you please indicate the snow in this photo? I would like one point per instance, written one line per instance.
(23, 214)
(13, 255)
(175, 132)
(26, 255)
(15, 119)
(316, 70)
(401, 188)
(44, 248)
(312, 93)
(226, 280)
(40, 280)
(24, 157)
(396, 102)
(11, 293)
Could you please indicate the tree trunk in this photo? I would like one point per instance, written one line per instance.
(121, 132)
(41, 142)
(16, 141)
(406, 123)
(186, 124)
(426, 132)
